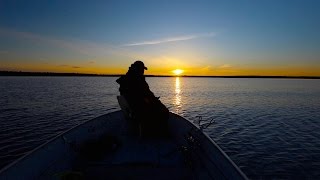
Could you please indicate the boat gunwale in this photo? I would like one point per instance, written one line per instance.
(60, 135)
(216, 145)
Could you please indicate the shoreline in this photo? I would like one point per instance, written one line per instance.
(16, 73)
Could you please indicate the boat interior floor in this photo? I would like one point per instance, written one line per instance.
(133, 157)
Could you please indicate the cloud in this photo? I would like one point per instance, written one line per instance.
(4, 52)
(44, 39)
(172, 39)
(69, 66)
(90, 49)
(206, 68)
(225, 66)
(92, 62)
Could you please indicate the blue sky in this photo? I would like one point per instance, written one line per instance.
(202, 37)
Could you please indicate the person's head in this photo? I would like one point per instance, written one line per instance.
(139, 67)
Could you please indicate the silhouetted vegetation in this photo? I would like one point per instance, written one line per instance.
(19, 73)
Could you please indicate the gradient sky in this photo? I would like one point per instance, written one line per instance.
(243, 37)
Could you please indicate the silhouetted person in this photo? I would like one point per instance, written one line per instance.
(147, 109)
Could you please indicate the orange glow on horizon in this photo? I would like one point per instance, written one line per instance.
(152, 70)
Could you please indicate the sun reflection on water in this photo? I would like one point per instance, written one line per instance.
(177, 101)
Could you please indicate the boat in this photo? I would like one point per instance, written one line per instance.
(104, 148)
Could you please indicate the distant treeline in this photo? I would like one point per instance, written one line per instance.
(19, 73)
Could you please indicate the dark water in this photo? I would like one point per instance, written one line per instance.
(269, 127)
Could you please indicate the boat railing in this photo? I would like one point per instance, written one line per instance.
(203, 124)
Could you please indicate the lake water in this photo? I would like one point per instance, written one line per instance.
(269, 127)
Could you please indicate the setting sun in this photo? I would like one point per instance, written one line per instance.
(177, 71)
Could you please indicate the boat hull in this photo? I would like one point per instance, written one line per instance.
(202, 157)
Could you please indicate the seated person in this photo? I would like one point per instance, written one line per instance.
(148, 111)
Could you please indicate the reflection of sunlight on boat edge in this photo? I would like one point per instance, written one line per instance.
(177, 102)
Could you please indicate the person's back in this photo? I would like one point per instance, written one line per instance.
(134, 87)
(148, 109)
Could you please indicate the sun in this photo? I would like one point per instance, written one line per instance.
(177, 72)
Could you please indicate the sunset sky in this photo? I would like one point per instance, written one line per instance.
(243, 37)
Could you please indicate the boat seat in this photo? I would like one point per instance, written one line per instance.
(134, 126)
(124, 105)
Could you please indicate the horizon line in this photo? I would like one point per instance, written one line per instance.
(25, 73)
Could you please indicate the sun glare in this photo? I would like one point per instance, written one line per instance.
(177, 72)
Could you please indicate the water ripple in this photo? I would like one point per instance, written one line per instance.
(269, 127)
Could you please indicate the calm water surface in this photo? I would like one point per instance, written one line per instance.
(269, 127)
